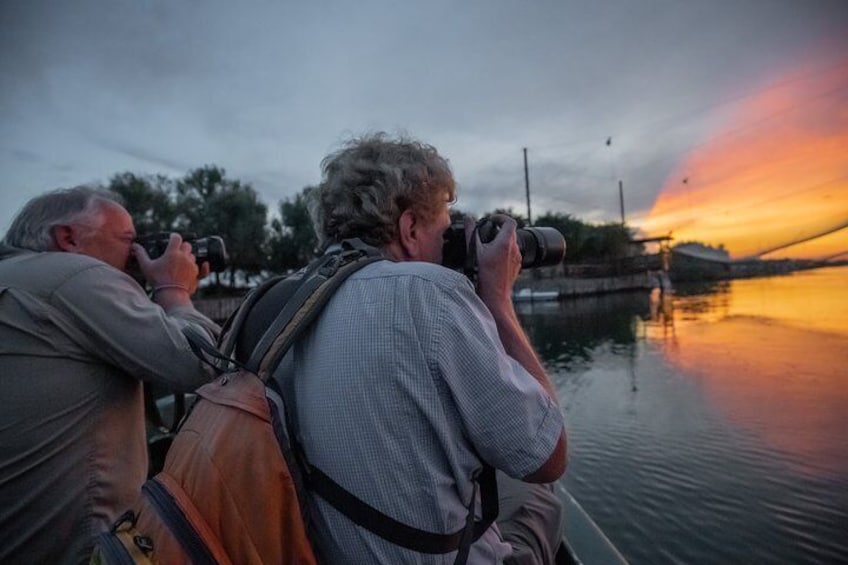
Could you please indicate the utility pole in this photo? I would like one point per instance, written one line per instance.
(621, 199)
(527, 189)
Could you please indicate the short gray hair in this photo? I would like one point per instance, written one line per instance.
(371, 181)
(33, 227)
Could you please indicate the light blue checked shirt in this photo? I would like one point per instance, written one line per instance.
(400, 384)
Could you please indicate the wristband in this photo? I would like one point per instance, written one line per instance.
(166, 286)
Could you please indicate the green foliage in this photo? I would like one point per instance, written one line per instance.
(292, 241)
(148, 200)
(587, 243)
(211, 204)
(204, 202)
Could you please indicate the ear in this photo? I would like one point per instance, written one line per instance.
(65, 239)
(409, 244)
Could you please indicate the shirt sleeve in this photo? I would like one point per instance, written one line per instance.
(509, 418)
(109, 316)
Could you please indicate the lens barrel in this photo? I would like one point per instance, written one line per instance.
(539, 246)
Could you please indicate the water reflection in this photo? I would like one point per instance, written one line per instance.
(708, 425)
(771, 354)
(786, 385)
(568, 333)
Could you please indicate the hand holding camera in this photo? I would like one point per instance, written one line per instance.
(499, 259)
(494, 250)
(174, 272)
(209, 249)
(539, 246)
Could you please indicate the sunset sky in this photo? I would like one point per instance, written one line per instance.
(775, 172)
(744, 98)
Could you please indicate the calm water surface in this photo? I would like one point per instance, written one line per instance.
(710, 426)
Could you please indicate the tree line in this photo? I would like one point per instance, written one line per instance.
(206, 202)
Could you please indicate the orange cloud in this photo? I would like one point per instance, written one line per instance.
(776, 173)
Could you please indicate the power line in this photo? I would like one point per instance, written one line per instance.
(680, 116)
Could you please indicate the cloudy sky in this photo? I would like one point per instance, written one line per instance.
(725, 120)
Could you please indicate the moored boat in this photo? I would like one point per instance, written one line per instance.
(530, 295)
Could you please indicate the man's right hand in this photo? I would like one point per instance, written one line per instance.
(498, 264)
(175, 270)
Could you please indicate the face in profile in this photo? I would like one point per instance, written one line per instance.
(110, 238)
(432, 238)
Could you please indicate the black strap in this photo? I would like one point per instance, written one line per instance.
(407, 536)
(325, 268)
(307, 303)
(173, 517)
(232, 328)
(350, 256)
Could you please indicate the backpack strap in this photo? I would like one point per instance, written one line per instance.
(301, 296)
(406, 536)
(232, 327)
(316, 287)
(175, 520)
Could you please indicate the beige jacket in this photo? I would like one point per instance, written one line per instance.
(77, 337)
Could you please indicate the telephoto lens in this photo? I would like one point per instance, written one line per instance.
(539, 246)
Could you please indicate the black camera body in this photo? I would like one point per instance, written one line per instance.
(539, 246)
(210, 248)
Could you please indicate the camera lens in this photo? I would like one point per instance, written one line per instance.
(540, 247)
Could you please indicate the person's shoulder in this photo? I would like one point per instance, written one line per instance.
(71, 264)
(431, 273)
(53, 269)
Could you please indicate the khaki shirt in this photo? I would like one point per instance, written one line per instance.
(77, 337)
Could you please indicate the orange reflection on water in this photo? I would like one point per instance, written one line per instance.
(773, 357)
(814, 300)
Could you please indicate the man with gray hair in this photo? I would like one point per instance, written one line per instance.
(412, 380)
(78, 335)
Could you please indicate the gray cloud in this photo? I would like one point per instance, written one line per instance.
(266, 89)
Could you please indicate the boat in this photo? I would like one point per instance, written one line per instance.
(584, 543)
(531, 295)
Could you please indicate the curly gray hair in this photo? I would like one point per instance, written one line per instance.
(33, 227)
(371, 181)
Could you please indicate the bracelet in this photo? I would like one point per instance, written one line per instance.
(166, 286)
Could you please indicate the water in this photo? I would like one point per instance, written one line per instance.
(708, 427)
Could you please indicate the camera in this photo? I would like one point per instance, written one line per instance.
(539, 246)
(210, 248)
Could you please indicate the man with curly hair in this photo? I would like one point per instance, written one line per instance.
(412, 379)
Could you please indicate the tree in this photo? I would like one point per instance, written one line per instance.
(573, 230)
(148, 199)
(211, 204)
(586, 243)
(292, 242)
